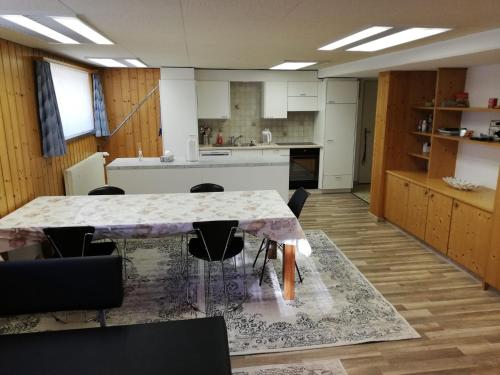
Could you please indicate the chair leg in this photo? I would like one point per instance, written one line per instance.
(263, 266)
(226, 296)
(261, 248)
(208, 303)
(298, 272)
(101, 318)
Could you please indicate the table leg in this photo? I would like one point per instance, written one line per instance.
(272, 252)
(289, 272)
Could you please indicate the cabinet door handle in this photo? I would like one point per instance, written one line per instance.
(457, 205)
(426, 192)
(432, 195)
(406, 184)
(302, 94)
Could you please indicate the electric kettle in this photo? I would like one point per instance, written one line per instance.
(267, 136)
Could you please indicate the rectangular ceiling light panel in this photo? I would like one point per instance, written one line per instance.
(137, 63)
(39, 28)
(79, 27)
(374, 30)
(109, 63)
(396, 39)
(289, 65)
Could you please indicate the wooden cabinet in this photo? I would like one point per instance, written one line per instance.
(416, 218)
(213, 99)
(469, 241)
(396, 200)
(274, 100)
(341, 91)
(438, 221)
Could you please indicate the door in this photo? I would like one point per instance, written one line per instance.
(340, 127)
(470, 237)
(437, 230)
(367, 130)
(416, 218)
(396, 200)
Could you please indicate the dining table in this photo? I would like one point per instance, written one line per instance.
(261, 213)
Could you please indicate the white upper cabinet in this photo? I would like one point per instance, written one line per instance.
(302, 96)
(213, 99)
(341, 91)
(302, 88)
(274, 100)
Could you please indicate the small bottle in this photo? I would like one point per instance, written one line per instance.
(424, 126)
(139, 152)
(220, 140)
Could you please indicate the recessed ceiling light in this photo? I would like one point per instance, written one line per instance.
(289, 65)
(374, 30)
(109, 63)
(81, 28)
(136, 63)
(405, 36)
(39, 28)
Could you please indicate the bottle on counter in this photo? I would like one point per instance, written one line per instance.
(139, 152)
(219, 140)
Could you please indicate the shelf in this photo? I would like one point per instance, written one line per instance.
(456, 138)
(424, 108)
(469, 109)
(422, 134)
(483, 198)
(420, 156)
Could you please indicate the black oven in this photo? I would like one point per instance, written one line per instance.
(304, 168)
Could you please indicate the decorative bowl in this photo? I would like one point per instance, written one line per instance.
(460, 184)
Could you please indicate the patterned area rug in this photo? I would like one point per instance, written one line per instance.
(331, 367)
(334, 306)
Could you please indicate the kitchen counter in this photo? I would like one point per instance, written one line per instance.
(205, 162)
(259, 146)
(234, 173)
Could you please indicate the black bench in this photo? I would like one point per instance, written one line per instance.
(187, 347)
(49, 285)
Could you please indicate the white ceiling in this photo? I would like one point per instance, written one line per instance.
(245, 34)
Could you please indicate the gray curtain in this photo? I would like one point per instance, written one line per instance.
(53, 143)
(100, 117)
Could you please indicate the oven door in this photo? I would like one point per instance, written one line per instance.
(304, 168)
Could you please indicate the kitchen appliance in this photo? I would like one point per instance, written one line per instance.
(267, 136)
(304, 167)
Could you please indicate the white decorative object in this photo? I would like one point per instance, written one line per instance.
(460, 184)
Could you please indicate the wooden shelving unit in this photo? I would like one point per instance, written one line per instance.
(468, 109)
(407, 186)
(420, 156)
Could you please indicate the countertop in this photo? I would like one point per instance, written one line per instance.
(204, 162)
(259, 146)
(483, 198)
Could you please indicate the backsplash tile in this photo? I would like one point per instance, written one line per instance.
(246, 119)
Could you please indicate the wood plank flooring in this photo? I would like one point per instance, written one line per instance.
(458, 321)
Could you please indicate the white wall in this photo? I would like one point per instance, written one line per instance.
(479, 163)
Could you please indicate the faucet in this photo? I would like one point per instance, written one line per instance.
(234, 140)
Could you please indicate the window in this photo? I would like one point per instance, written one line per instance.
(74, 99)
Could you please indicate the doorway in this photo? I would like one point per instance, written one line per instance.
(364, 143)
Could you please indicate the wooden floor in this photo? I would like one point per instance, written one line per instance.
(458, 321)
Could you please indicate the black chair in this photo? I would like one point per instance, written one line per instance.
(215, 241)
(296, 203)
(61, 284)
(77, 242)
(207, 188)
(107, 190)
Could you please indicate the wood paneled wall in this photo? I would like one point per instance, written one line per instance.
(123, 89)
(24, 172)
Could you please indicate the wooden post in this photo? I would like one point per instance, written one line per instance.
(289, 272)
(272, 250)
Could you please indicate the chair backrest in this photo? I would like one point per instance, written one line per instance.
(297, 201)
(216, 236)
(207, 188)
(70, 241)
(43, 285)
(107, 190)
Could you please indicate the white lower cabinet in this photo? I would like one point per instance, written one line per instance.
(337, 182)
(285, 152)
(247, 152)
